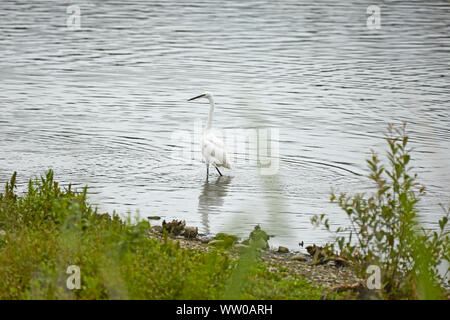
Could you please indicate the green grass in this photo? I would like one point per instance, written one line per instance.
(49, 228)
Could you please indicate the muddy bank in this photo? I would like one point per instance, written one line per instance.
(329, 274)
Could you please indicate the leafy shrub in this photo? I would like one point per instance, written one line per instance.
(384, 230)
(50, 228)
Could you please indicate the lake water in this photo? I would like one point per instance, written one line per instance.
(100, 105)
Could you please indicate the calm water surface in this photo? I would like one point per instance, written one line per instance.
(99, 105)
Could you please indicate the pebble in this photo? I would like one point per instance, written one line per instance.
(157, 228)
(298, 257)
(190, 232)
(282, 249)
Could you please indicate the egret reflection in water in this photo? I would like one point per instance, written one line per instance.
(212, 197)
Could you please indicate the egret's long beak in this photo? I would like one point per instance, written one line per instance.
(202, 95)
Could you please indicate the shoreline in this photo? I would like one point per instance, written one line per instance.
(329, 275)
(125, 259)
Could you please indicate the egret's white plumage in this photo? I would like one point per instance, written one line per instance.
(213, 149)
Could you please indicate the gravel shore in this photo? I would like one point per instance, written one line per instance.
(328, 275)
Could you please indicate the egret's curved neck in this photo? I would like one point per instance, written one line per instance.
(211, 111)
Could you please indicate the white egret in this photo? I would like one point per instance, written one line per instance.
(213, 149)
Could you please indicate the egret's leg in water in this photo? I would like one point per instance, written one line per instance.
(218, 171)
(207, 170)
